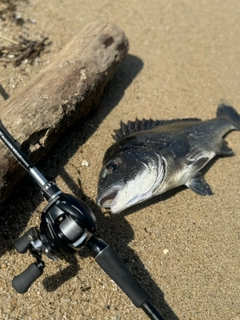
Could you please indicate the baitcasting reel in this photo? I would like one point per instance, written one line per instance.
(67, 225)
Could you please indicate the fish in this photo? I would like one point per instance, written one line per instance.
(151, 157)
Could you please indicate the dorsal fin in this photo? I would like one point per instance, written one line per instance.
(140, 125)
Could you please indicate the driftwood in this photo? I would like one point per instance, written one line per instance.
(62, 93)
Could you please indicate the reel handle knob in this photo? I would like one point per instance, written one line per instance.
(22, 244)
(22, 282)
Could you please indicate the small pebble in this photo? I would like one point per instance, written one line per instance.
(33, 21)
(19, 20)
(165, 251)
(85, 163)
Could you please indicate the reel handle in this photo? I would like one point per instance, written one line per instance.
(22, 282)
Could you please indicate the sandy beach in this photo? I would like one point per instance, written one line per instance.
(182, 247)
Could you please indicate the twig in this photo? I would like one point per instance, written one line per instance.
(25, 49)
(9, 40)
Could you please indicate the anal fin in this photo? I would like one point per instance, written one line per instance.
(199, 185)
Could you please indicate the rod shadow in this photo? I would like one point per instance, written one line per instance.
(3, 93)
(117, 232)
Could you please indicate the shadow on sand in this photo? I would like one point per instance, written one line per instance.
(115, 230)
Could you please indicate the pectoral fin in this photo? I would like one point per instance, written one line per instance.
(199, 185)
(225, 150)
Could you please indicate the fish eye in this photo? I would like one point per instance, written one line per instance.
(112, 166)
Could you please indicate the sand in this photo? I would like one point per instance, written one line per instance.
(183, 248)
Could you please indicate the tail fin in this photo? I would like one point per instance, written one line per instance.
(226, 111)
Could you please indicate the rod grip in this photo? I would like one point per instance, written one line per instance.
(114, 267)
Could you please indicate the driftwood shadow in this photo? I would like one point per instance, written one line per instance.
(20, 206)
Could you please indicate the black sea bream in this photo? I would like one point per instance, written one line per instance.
(151, 157)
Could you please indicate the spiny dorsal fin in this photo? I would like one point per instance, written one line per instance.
(140, 125)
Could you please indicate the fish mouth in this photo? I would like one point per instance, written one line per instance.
(105, 198)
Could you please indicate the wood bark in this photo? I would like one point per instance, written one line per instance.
(61, 94)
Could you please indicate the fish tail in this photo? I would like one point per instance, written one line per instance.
(228, 112)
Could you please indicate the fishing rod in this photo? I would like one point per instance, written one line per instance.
(67, 225)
